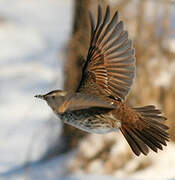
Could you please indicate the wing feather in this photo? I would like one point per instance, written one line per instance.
(110, 63)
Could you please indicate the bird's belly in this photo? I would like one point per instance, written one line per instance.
(98, 124)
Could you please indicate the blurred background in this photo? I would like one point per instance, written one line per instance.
(42, 45)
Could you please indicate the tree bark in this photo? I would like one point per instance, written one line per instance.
(77, 51)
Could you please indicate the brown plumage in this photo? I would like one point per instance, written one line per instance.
(98, 105)
(110, 64)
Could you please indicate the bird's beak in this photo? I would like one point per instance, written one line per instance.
(40, 96)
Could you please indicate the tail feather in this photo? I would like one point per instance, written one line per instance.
(136, 144)
(151, 144)
(156, 123)
(146, 131)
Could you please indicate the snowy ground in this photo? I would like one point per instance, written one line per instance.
(31, 35)
(32, 32)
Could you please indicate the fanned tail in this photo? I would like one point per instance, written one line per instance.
(146, 131)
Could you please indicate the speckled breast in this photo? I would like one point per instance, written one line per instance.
(93, 120)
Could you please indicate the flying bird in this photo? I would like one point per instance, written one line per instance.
(98, 105)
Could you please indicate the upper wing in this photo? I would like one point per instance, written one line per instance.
(110, 63)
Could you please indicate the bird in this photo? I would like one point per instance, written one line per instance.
(98, 105)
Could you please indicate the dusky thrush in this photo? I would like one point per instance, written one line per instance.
(98, 105)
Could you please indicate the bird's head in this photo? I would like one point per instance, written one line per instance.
(55, 99)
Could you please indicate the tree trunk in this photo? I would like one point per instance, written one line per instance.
(78, 47)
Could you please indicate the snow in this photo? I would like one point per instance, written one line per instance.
(32, 35)
(163, 165)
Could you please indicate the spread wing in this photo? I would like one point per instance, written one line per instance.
(110, 64)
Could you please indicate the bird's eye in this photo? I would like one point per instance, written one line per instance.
(53, 97)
